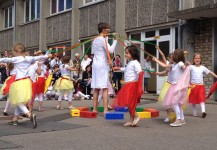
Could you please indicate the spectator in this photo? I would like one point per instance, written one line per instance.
(147, 65)
(77, 57)
(86, 61)
(55, 61)
(117, 74)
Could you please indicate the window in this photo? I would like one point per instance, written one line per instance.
(60, 5)
(86, 2)
(8, 17)
(164, 32)
(149, 34)
(32, 10)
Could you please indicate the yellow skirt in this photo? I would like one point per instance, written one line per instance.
(64, 83)
(20, 91)
(164, 90)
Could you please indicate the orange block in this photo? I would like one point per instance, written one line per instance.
(83, 108)
(154, 112)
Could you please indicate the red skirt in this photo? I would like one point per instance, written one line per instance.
(40, 85)
(129, 95)
(8, 84)
(197, 95)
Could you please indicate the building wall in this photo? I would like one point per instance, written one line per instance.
(6, 39)
(199, 3)
(58, 28)
(29, 34)
(203, 44)
(90, 16)
(140, 13)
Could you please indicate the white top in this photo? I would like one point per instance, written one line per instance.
(84, 63)
(100, 67)
(32, 72)
(131, 71)
(64, 70)
(197, 73)
(43, 68)
(22, 64)
(75, 74)
(147, 65)
(175, 73)
(13, 71)
(54, 62)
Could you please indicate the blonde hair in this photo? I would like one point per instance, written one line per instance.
(195, 54)
(19, 48)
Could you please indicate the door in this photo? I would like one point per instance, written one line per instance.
(165, 46)
(141, 52)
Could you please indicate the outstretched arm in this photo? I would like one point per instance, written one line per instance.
(159, 62)
(162, 54)
(213, 74)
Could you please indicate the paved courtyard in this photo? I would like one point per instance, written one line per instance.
(57, 130)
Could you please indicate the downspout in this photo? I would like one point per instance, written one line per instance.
(14, 32)
(180, 27)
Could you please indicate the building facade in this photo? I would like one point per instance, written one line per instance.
(187, 24)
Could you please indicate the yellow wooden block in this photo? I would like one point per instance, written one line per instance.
(74, 112)
(144, 114)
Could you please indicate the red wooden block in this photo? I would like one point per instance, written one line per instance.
(154, 112)
(83, 108)
(88, 114)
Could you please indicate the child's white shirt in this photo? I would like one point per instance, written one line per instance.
(197, 73)
(131, 71)
(22, 64)
(13, 71)
(64, 71)
(32, 72)
(175, 72)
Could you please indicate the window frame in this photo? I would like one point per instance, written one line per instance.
(93, 2)
(30, 9)
(12, 21)
(57, 7)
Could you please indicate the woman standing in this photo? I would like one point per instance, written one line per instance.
(100, 66)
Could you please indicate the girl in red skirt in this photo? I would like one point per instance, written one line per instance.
(198, 92)
(129, 95)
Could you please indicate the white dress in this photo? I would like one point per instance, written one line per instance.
(100, 66)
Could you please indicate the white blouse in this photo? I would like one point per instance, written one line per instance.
(64, 70)
(175, 73)
(22, 64)
(13, 71)
(197, 73)
(131, 71)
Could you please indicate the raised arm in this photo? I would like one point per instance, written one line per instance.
(162, 54)
(159, 62)
(112, 47)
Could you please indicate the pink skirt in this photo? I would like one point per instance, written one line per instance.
(173, 98)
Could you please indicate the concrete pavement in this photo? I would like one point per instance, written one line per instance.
(57, 130)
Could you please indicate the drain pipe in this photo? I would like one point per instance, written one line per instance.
(180, 27)
(14, 19)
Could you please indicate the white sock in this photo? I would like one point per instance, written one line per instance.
(193, 107)
(7, 106)
(70, 96)
(181, 113)
(202, 105)
(60, 96)
(177, 111)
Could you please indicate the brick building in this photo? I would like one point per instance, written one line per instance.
(40, 24)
